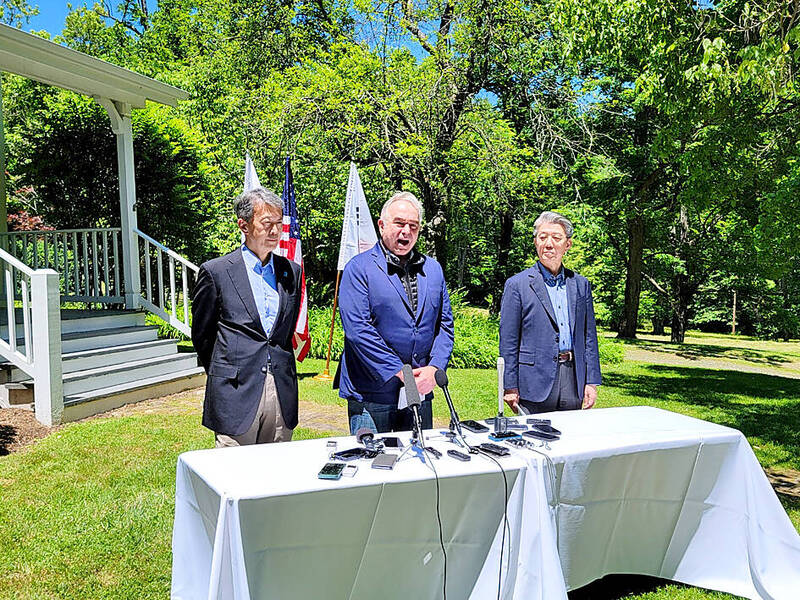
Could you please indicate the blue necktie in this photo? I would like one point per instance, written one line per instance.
(267, 274)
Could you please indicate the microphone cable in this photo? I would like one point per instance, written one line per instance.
(438, 518)
(506, 526)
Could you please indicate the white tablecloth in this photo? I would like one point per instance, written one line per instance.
(626, 490)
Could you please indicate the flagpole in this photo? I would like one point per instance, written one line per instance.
(326, 374)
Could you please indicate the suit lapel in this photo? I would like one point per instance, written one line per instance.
(422, 291)
(238, 275)
(285, 284)
(380, 260)
(537, 284)
(572, 298)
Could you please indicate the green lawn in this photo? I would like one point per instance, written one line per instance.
(87, 512)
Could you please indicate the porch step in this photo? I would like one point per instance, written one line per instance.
(79, 406)
(105, 338)
(135, 370)
(106, 356)
(74, 321)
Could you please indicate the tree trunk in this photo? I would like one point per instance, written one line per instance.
(633, 277)
(659, 323)
(503, 250)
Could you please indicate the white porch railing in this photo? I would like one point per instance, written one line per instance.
(30, 332)
(161, 267)
(89, 260)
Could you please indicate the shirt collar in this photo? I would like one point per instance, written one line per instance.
(253, 263)
(549, 278)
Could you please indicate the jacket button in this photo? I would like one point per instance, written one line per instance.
(555, 359)
(264, 370)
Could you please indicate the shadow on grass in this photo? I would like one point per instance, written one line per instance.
(691, 351)
(8, 434)
(764, 406)
(615, 587)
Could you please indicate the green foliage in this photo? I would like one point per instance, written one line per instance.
(477, 337)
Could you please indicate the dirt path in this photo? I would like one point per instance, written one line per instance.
(665, 358)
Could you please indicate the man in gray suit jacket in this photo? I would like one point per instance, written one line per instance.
(548, 337)
(244, 311)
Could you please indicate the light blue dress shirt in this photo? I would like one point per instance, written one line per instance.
(264, 287)
(557, 290)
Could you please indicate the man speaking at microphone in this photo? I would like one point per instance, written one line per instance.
(395, 310)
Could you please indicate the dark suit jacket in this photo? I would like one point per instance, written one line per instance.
(381, 333)
(233, 348)
(529, 334)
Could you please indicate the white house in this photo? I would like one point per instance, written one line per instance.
(81, 362)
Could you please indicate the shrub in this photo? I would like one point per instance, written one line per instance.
(476, 338)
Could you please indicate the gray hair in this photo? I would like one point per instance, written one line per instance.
(549, 216)
(245, 203)
(408, 197)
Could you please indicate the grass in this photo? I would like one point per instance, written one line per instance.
(730, 350)
(87, 512)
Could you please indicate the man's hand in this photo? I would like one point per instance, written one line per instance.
(425, 379)
(589, 396)
(511, 397)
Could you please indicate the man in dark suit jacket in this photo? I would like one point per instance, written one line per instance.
(244, 311)
(395, 310)
(548, 337)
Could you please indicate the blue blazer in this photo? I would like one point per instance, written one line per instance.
(529, 334)
(381, 333)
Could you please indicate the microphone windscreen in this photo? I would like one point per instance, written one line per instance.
(441, 378)
(412, 393)
(364, 433)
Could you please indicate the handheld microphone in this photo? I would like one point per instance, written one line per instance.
(366, 436)
(442, 381)
(500, 422)
(412, 395)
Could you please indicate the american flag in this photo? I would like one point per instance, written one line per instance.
(290, 247)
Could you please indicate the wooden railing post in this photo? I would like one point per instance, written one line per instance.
(48, 393)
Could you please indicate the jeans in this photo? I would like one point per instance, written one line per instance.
(383, 418)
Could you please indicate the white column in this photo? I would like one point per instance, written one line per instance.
(120, 116)
(48, 391)
(3, 213)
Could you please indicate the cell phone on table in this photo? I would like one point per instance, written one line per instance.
(474, 426)
(331, 471)
(391, 442)
(351, 454)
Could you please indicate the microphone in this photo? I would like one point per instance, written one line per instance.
(366, 436)
(412, 395)
(500, 422)
(442, 381)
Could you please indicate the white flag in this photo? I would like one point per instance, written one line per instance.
(358, 232)
(250, 176)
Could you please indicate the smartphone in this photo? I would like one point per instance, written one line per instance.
(498, 436)
(349, 470)
(474, 426)
(384, 461)
(391, 442)
(351, 454)
(331, 471)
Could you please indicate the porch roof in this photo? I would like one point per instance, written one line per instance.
(39, 59)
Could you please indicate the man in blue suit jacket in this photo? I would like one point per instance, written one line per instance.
(548, 337)
(395, 310)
